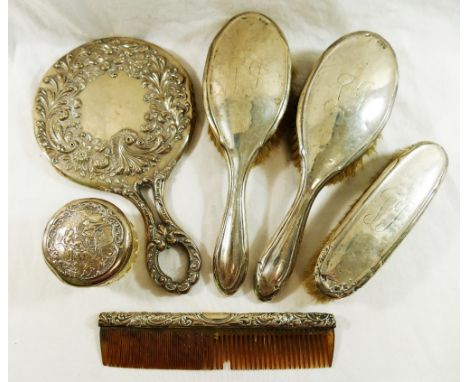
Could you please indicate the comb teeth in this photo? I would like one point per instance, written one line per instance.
(202, 348)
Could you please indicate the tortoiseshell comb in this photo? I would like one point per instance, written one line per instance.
(197, 341)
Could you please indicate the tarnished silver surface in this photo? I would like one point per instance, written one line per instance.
(218, 320)
(89, 242)
(380, 219)
(246, 87)
(342, 110)
(116, 114)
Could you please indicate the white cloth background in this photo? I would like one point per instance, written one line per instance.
(402, 326)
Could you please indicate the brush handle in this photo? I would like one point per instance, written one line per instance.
(277, 261)
(163, 234)
(230, 257)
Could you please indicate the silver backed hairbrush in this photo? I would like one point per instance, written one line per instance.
(246, 88)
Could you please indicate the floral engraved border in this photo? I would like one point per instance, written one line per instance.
(224, 320)
(128, 152)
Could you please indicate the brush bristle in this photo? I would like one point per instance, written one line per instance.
(215, 140)
(263, 152)
(347, 172)
(285, 127)
(294, 145)
(266, 149)
(204, 349)
(352, 168)
(288, 128)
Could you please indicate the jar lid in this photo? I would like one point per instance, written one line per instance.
(89, 242)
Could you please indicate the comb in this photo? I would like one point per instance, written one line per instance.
(203, 341)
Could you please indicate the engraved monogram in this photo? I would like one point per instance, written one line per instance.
(389, 211)
(351, 96)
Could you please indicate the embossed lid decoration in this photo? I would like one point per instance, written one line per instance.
(88, 242)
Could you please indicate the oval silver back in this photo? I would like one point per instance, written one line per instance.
(380, 219)
(346, 102)
(246, 81)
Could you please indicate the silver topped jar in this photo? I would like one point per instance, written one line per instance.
(89, 242)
